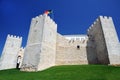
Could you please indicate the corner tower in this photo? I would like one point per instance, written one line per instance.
(9, 55)
(103, 35)
(111, 39)
(41, 44)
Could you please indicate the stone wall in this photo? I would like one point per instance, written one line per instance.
(91, 52)
(41, 45)
(111, 39)
(48, 48)
(103, 34)
(9, 55)
(33, 48)
(95, 33)
(68, 52)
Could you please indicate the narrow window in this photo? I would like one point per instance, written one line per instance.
(78, 47)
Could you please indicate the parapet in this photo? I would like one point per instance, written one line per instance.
(105, 18)
(49, 20)
(14, 37)
(46, 18)
(98, 20)
(91, 28)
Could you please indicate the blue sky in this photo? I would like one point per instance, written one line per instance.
(72, 16)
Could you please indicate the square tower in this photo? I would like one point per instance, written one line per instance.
(111, 39)
(102, 32)
(9, 55)
(41, 45)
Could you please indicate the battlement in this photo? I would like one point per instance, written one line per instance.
(14, 37)
(105, 17)
(45, 17)
(48, 20)
(99, 19)
(72, 42)
(91, 27)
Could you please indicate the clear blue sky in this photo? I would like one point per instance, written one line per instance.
(72, 16)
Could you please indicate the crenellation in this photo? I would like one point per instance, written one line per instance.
(101, 16)
(105, 17)
(88, 30)
(48, 20)
(94, 23)
(11, 36)
(110, 18)
(93, 27)
(8, 35)
(33, 21)
(97, 19)
(14, 37)
(77, 41)
(40, 16)
(18, 37)
(37, 17)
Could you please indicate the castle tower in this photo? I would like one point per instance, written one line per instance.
(111, 39)
(103, 34)
(9, 55)
(41, 45)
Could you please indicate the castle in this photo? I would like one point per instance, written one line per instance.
(45, 47)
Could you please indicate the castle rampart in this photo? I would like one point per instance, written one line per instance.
(69, 52)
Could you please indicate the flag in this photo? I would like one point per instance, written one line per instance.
(48, 12)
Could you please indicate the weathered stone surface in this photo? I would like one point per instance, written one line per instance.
(111, 39)
(97, 37)
(105, 39)
(68, 53)
(9, 56)
(41, 47)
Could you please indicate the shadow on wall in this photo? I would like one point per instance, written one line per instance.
(94, 55)
(91, 53)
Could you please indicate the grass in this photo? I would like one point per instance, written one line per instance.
(73, 72)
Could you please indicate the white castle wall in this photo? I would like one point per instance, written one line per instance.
(111, 39)
(41, 46)
(33, 48)
(67, 52)
(9, 55)
(104, 36)
(48, 49)
(95, 33)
